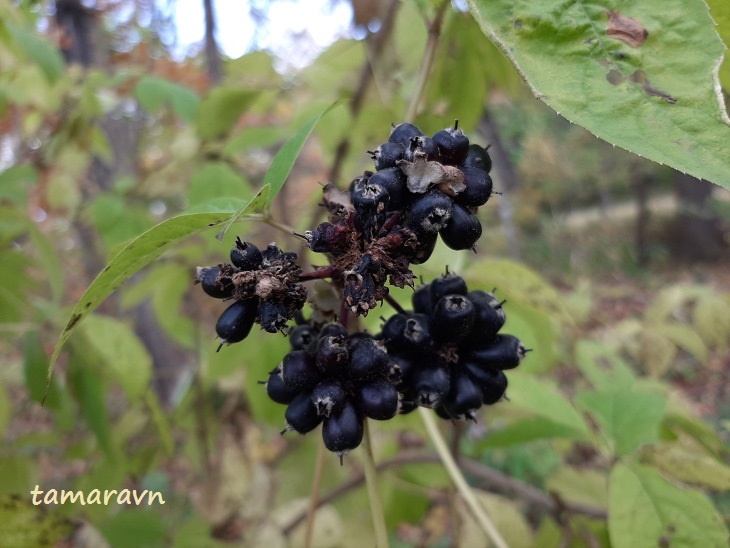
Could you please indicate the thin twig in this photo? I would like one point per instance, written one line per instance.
(457, 477)
(434, 34)
(376, 507)
(314, 495)
(489, 478)
(395, 304)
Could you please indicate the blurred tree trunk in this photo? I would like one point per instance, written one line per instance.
(696, 234)
(641, 189)
(84, 43)
(212, 55)
(505, 181)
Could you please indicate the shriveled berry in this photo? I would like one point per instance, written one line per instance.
(377, 398)
(236, 322)
(402, 133)
(430, 212)
(299, 370)
(401, 366)
(463, 230)
(246, 256)
(452, 144)
(452, 319)
(478, 187)
(342, 432)
(214, 283)
(504, 352)
(387, 154)
(273, 316)
(328, 397)
(301, 414)
(277, 390)
(478, 157)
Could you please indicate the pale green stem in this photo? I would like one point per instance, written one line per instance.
(314, 495)
(376, 507)
(458, 478)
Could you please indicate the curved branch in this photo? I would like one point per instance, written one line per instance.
(486, 477)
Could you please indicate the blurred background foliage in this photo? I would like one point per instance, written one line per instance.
(615, 270)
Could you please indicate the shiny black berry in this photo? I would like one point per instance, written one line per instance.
(422, 146)
(464, 399)
(504, 352)
(342, 432)
(452, 144)
(430, 384)
(303, 337)
(299, 370)
(277, 390)
(430, 212)
(402, 134)
(478, 157)
(387, 154)
(377, 398)
(489, 318)
(447, 284)
(246, 256)
(332, 354)
(368, 359)
(463, 230)
(417, 331)
(301, 414)
(393, 181)
(422, 302)
(215, 283)
(478, 187)
(452, 318)
(328, 397)
(236, 322)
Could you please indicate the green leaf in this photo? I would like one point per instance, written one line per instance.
(543, 399)
(136, 255)
(152, 93)
(685, 338)
(35, 367)
(507, 518)
(221, 109)
(602, 365)
(580, 485)
(217, 180)
(523, 285)
(627, 418)
(647, 510)
(39, 50)
(527, 430)
(119, 352)
(284, 159)
(90, 394)
(656, 351)
(711, 318)
(24, 524)
(5, 410)
(660, 99)
(160, 420)
(688, 466)
(15, 182)
(536, 331)
(135, 527)
(184, 101)
(697, 430)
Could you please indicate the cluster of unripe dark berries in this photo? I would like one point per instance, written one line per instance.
(448, 350)
(335, 378)
(264, 286)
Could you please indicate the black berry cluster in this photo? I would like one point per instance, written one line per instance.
(423, 187)
(335, 378)
(263, 284)
(448, 351)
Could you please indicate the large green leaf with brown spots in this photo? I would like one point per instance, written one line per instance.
(641, 75)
